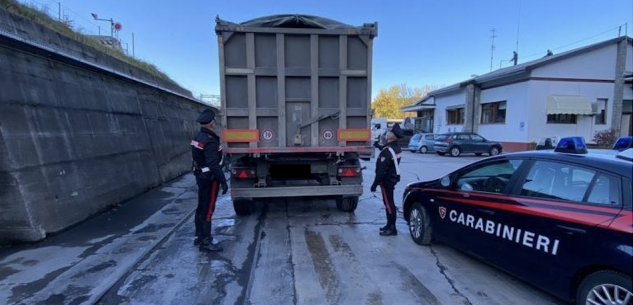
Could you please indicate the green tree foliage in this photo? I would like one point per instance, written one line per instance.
(388, 102)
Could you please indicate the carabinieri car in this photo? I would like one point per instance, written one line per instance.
(560, 220)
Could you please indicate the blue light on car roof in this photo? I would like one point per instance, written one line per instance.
(572, 145)
(623, 143)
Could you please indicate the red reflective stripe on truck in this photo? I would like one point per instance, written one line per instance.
(333, 149)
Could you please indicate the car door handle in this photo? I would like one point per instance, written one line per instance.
(571, 230)
(489, 212)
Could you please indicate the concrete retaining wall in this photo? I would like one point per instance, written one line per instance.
(80, 130)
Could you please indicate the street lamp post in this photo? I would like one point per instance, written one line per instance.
(96, 17)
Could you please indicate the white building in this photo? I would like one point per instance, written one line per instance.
(575, 93)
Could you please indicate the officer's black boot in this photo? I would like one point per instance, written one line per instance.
(208, 245)
(384, 228)
(197, 241)
(390, 231)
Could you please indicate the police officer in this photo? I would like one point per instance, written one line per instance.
(387, 176)
(206, 152)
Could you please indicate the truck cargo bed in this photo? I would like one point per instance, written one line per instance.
(296, 107)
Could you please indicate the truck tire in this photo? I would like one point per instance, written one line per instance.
(243, 207)
(347, 204)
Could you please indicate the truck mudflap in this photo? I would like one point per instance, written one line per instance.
(298, 191)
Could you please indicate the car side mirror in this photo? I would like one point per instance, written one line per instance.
(445, 181)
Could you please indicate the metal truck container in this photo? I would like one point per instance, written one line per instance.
(296, 95)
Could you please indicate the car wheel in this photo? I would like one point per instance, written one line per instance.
(605, 285)
(423, 150)
(455, 151)
(420, 225)
(494, 151)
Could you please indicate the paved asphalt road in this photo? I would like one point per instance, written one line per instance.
(290, 251)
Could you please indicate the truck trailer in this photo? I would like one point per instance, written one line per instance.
(295, 107)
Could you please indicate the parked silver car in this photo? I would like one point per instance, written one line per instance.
(422, 142)
(456, 143)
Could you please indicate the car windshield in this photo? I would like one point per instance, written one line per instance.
(415, 137)
(442, 137)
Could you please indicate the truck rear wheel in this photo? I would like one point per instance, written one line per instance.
(243, 207)
(347, 204)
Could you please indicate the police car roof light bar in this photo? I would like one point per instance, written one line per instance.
(623, 143)
(571, 145)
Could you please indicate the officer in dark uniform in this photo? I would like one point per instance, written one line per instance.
(387, 176)
(206, 152)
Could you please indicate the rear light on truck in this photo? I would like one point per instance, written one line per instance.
(353, 135)
(349, 172)
(243, 173)
(240, 135)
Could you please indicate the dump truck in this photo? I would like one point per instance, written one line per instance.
(295, 107)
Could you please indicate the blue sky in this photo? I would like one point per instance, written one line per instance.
(420, 42)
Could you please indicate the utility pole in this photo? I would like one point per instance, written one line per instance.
(492, 47)
(518, 26)
(96, 17)
(133, 55)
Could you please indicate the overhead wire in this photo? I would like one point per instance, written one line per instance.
(573, 43)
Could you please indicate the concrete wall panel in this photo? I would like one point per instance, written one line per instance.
(80, 131)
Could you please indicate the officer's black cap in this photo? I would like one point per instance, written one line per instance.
(397, 131)
(206, 116)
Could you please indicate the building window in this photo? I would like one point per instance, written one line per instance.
(599, 108)
(492, 113)
(455, 116)
(561, 119)
(426, 113)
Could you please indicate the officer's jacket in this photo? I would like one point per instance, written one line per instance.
(206, 152)
(385, 167)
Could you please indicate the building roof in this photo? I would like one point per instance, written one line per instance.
(427, 102)
(519, 70)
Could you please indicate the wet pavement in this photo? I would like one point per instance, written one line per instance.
(79, 265)
(289, 251)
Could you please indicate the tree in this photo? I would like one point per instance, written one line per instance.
(605, 138)
(388, 102)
